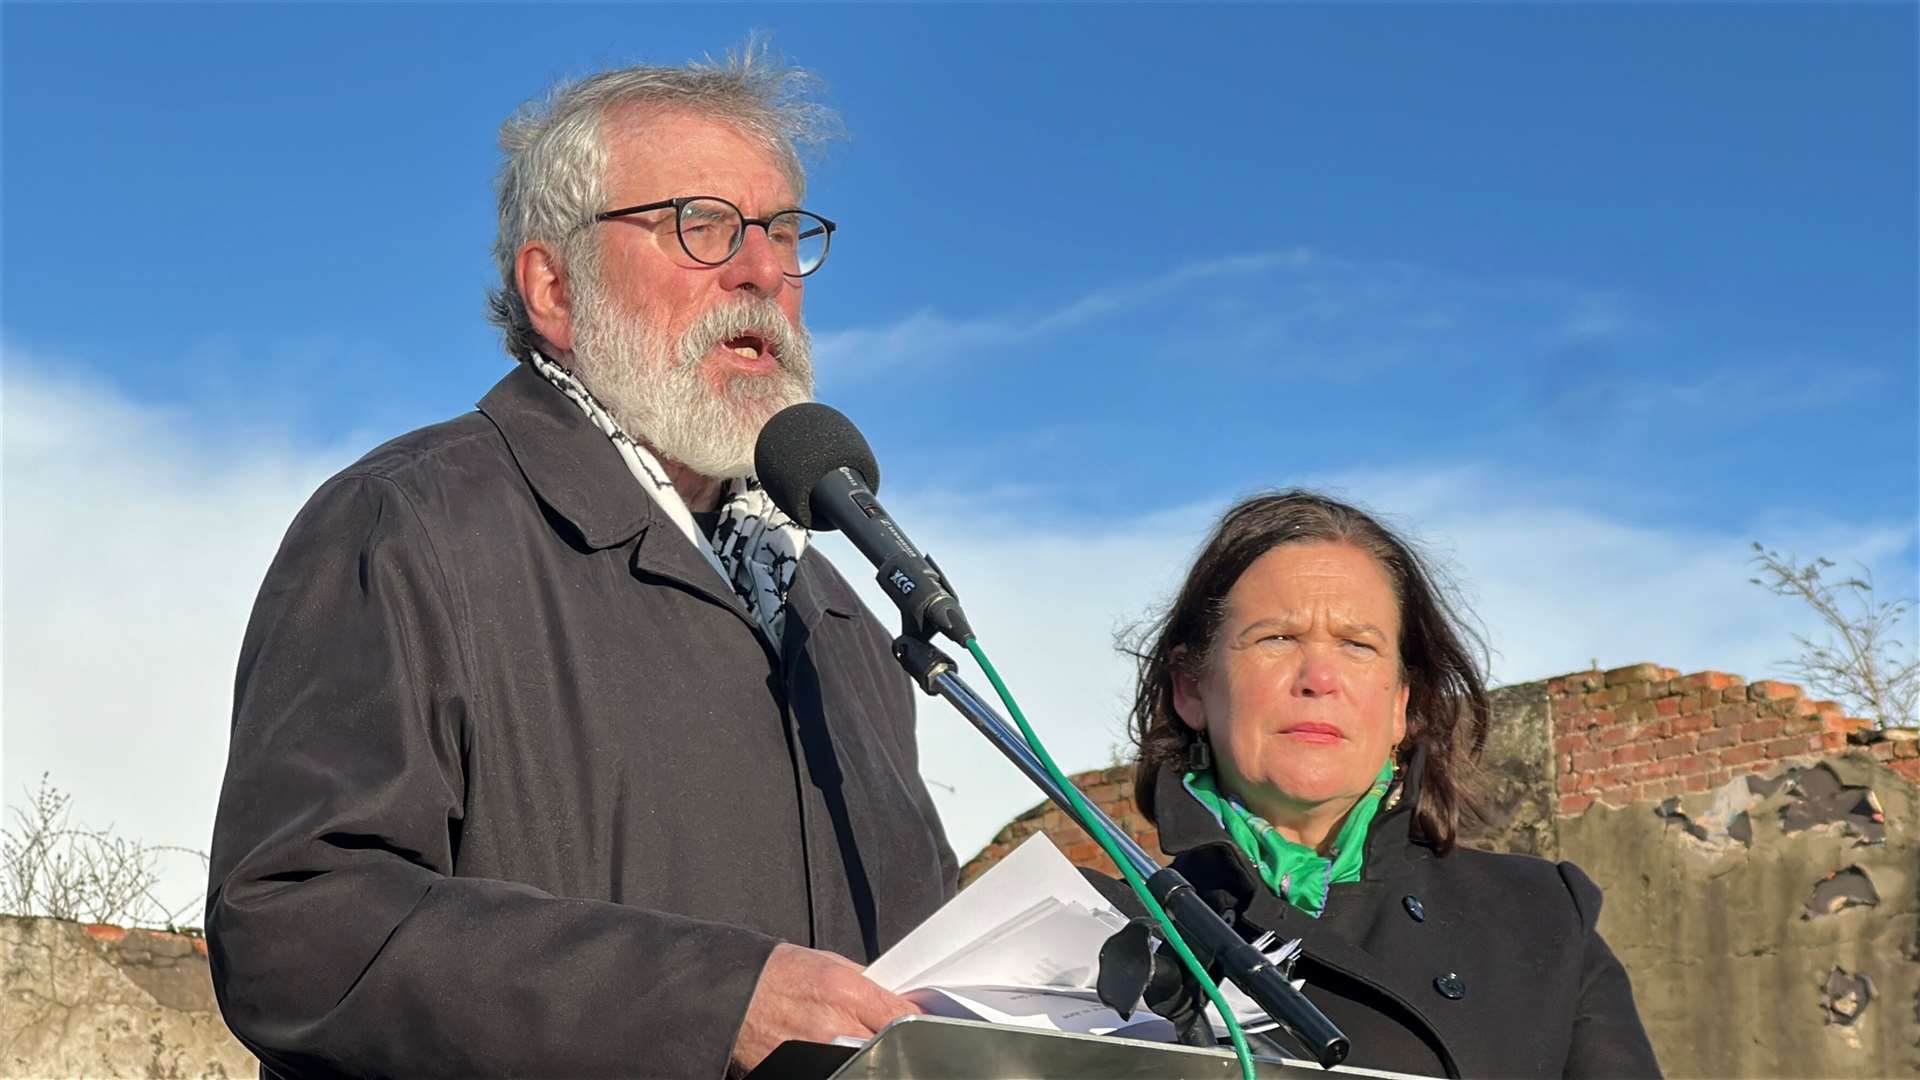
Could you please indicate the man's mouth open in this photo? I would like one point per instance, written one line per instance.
(751, 352)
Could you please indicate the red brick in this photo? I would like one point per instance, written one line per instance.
(1793, 745)
(1829, 708)
(1570, 782)
(1589, 760)
(1657, 770)
(1833, 741)
(1672, 786)
(1601, 717)
(1698, 763)
(103, 932)
(1709, 680)
(1574, 804)
(1557, 686)
(1731, 715)
(1674, 747)
(1773, 690)
(1617, 796)
(1633, 755)
(1716, 738)
(1692, 703)
(1667, 706)
(1682, 724)
(1639, 691)
(1633, 673)
(1617, 735)
(1881, 750)
(1655, 729)
(1736, 695)
(1695, 783)
(1909, 768)
(1800, 725)
(1904, 750)
(1759, 730)
(1567, 744)
(1741, 755)
(1719, 777)
(1083, 852)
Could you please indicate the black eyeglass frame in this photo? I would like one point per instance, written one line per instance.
(739, 238)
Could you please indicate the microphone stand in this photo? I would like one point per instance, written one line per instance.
(1211, 939)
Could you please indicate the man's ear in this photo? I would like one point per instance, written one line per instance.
(547, 293)
(1187, 702)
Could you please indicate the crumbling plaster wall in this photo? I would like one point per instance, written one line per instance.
(102, 1001)
(1730, 950)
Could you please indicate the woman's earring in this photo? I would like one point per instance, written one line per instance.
(1199, 754)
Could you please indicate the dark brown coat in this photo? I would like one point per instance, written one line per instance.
(517, 786)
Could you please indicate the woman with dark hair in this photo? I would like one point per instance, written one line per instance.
(1306, 709)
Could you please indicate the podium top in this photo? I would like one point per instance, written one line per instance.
(941, 1048)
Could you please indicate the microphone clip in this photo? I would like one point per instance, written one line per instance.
(927, 603)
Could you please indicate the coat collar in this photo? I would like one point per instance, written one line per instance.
(1190, 835)
(574, 469)
(571, 465)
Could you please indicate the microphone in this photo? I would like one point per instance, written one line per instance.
(818, 468)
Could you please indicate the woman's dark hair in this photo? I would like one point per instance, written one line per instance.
(1440, 655)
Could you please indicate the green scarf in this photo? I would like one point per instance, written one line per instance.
(1295, 872)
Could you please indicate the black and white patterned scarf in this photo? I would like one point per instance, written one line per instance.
(755, 548)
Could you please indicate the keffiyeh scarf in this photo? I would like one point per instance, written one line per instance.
(755, 547)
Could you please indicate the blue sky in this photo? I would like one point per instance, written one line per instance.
(1586, 296)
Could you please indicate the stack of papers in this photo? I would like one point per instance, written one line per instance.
(1021, 946)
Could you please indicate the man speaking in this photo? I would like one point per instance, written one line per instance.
(556, 750)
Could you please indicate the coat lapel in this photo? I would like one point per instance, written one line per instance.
(577, 474)
(1204, 853)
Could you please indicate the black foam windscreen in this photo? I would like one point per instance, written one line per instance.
(803, 443)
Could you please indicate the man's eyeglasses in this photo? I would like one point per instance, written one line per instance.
(711, 230)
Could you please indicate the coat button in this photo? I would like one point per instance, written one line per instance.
(1450, 986)
(1412, 904)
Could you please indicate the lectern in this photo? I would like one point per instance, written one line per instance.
(940, 1048)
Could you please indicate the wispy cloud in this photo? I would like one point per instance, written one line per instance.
(857, 354)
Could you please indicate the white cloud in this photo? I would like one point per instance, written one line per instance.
(1555, 586)
(132, 551)
(853, 355)
(131, 557)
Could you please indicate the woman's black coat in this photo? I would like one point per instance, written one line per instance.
(1470, 964)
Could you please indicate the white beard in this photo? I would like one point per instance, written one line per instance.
(654, 387)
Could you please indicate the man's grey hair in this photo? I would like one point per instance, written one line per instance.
(554, 178)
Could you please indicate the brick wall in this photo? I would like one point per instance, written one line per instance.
(1110, 789)
(1646, 732)
(1632, 734)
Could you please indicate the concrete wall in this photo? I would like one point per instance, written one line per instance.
(102, 1001)
(1749, 915)
(1758, 852)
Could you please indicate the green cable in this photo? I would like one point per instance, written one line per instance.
(1112, 847)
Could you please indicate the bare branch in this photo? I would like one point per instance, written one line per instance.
(57, 871)
(1861, 664)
